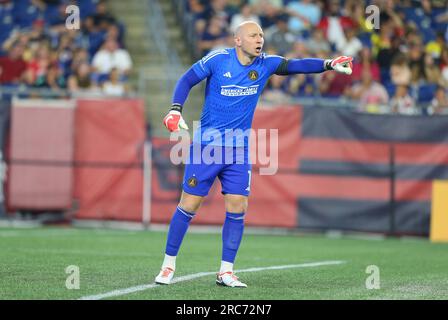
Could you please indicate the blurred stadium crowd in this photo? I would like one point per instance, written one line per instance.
(400, 67)
(38, 51)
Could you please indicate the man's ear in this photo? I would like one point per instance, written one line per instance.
(238, 41)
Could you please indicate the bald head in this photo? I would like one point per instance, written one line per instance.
(247, 26)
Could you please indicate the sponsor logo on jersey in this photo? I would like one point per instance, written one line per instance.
(234, 90)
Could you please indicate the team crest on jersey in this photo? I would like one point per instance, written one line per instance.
(253, 75)
(192, 182)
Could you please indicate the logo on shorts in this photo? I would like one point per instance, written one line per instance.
(253, 75)
(192, 182)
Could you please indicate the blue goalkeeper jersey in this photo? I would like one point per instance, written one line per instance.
(231, 95)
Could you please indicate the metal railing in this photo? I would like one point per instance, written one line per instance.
(187, 21)
(150, 76)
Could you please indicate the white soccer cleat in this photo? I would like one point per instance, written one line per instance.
(229, 279)
(165, 276)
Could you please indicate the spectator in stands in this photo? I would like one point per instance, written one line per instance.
(389, 15)
(443, 64)
(304, 15)
(111, 56)
(12, 66)
(215, 35)
(431, 71)
(366, 61)
(299, 51)
(416, 62)
(279, 37)
(434, 47)
(275, 92)
(114, 86)
(81, 79)
(54, 79)
(56, 22)
(439, 104)
(443, 18)
(382, 39)
(332, 85)
(412, 36)
(399, 71)
(355, 9)
(102, 18)
(80, 56)
(371, 95)
(386, 55)
(52, 54)
(64, 52)
(267, 10)
(351, 45)
(215, 8)
(235, 6)
(246, 14)
(302, 85)
(113, 32)
(402, 102)
(14, 37)
(333, 24)
(317, 42)
(92, 35)
(196, 7)
(37, 68)
(38, 33)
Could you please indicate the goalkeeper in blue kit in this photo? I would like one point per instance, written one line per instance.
(235, 79)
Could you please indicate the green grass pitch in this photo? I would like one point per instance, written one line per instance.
(33, 265)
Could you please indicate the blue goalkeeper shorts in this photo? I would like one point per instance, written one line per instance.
(231, 165)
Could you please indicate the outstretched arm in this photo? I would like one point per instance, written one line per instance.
(341, 64)
(173, 120)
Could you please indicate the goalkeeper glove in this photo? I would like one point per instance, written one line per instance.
(342, 64)
(173, 121)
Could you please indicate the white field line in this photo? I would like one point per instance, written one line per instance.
(121, 292)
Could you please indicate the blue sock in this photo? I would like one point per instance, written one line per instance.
(232, 233)
(178, 227)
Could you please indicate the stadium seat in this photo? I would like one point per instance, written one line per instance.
(410, 14)
(51, 14)
(87, 7)
(428, 34)
(426, 92)
(365, 38)
(390, 88)
(6, 23)
(385, 75)
(25, 13)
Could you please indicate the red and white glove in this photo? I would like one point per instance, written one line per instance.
(173, 121)
(342, 64)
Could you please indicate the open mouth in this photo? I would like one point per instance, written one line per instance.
(258, 49)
